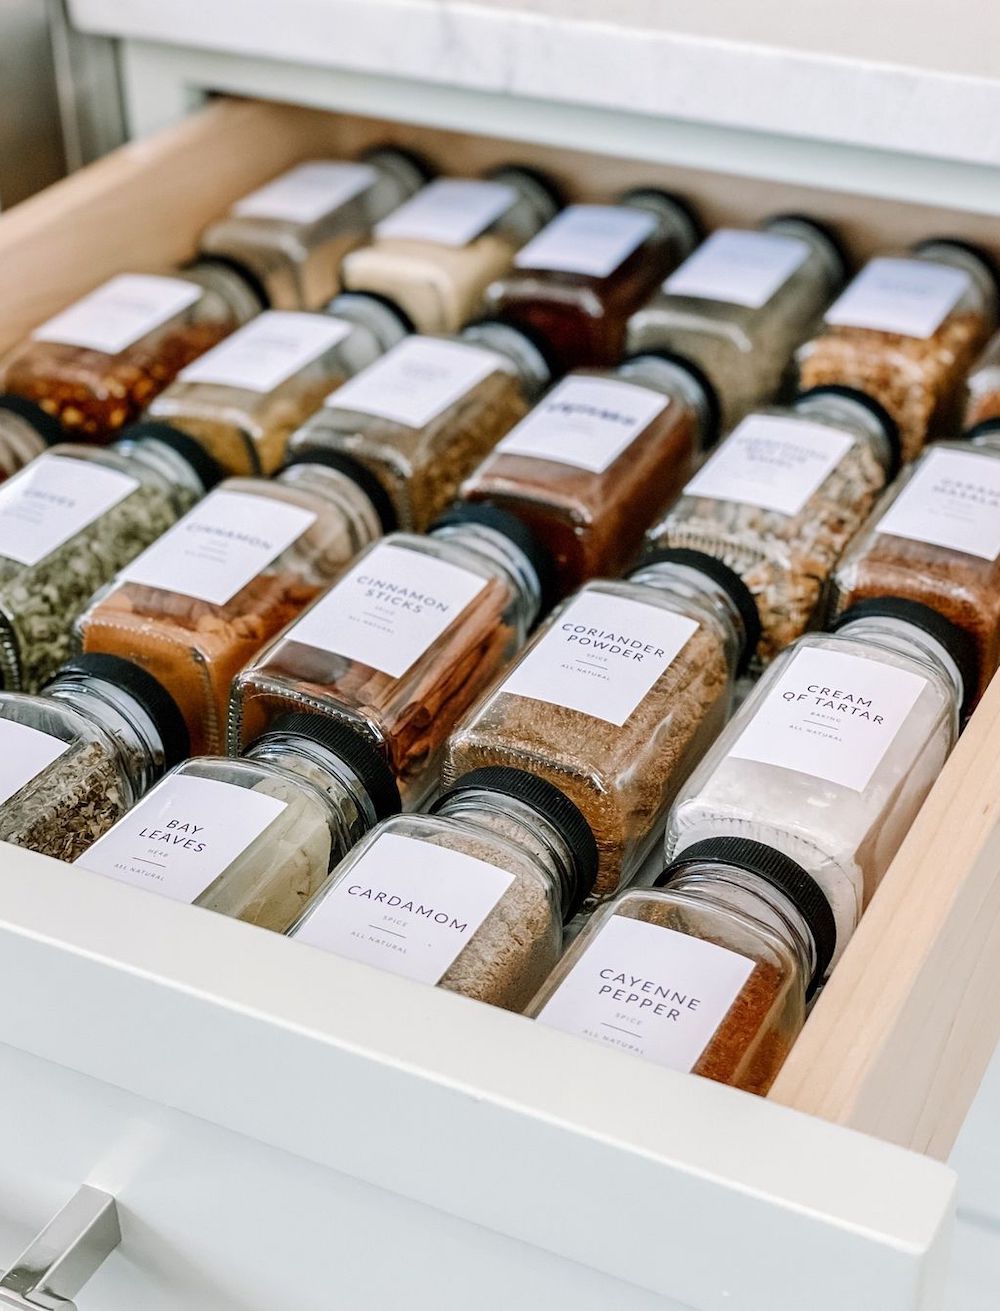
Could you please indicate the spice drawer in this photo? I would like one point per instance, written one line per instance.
(280, 1124)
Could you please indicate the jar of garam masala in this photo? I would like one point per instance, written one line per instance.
(255, 837)
(579, 279)
(471, 897)
(782, 496)
(906, 331)
(422, 417)
(405, 641)
(984, 386)
(435, 256)
(206, 597)
(618, 696)
(707, 972)
(740, 305)
(833, 752)
(25, 432)
(76, 757)
(598, 458)
(98, 364)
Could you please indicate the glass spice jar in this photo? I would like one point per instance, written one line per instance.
(435, 256)
(709, 972)
(984, 386)
(98, 364)
(579, 279)
(405, 641)
(206, 597)
(422, 417)
(597, 458)
(25, 432)
(76, 757)
(782, 496)
(833, 752)
(740, 305)
(471, 897)
(618, 696)
(906, 331)
(253, 838)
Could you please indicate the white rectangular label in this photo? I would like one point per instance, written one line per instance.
(219, 546)
(406, 906)
(388, 609)
(52, 500)
(308, 192)
(585, 422)
(772, 462)
(830, 715)
(120, 312)
(739, 268)
(268, 351)
(416, 381)
(182, 836)
(650, 991)
(449, 212)
(952, 500)
(601, 656)
(589, 239)
(911, 297)
(24, 753)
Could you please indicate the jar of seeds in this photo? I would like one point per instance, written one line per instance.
(709, 972)
(984, 386)
(781, 498)
(471, 897)
(740, 305)
(906, 331)
(25, 432)
(76, 757)
(207, 596)
(617, 698)
(405, 641)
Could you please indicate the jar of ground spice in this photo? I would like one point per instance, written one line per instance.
(76, 757)
(578, 281)
(292, 233)
(709, 972)
(471, 897)
(781, 498)
(206, 597)
(97, 365)
(597, 458)
(25, 432)
(984, 386)
(740, 305)
(422, 417)
(405, 641)
(617, 698)
(906, 331)
(435, 256)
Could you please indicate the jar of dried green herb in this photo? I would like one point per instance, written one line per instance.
(25, 432)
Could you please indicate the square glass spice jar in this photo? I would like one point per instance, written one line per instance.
(740, 305)
(25, 432)
(983, 386)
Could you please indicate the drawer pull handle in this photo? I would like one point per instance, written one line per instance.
(55, 1266)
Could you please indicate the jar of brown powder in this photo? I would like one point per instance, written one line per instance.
(984, 386)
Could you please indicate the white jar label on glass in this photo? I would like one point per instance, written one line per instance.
(24, 753)
(406, 906)
(601, 656)
(416, 381)
(830, 715)
(739, 268)
(308, 192)
(182, 836)
(585, 422)
(648, 990)
(912, 297)
(388, 609)
(268, 351)
(219, 546)
(770, 461)
(52, 500)
(952, 500)
(120, 312)
(449, 212)
(589, 239)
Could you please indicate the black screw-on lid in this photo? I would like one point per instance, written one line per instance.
(538, 342)
(979, 429)
(545, 798)
(502, 521)
(246, 275)
(145, 690)
(370, 309)
(827, 231)
(889, 426)
(363, 478)
(781, 872)
(536, 180)
(208, 471)
(727, 578)
(979, 253)
(713, 408)
(418, 162)
(686, 211)
(48, 428)
(348, 744)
